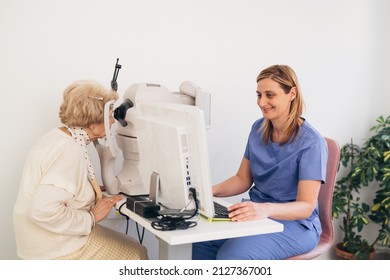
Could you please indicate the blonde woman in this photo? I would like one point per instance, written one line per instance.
(60, 204)
(283, 167)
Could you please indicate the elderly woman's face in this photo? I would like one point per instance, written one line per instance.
(98, 131)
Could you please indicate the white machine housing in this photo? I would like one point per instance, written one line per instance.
(129, 180)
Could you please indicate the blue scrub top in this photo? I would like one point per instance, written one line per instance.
(276, 169)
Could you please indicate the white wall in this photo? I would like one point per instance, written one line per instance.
(339, 50)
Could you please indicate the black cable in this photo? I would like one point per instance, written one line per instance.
(168, 222)
(193, 192)
(124, 215)
(172, 223)
(140, 236)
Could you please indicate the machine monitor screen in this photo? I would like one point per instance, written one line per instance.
(173, 147)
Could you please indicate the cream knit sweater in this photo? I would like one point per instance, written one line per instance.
(51, 216)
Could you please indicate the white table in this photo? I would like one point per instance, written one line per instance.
(177, 244)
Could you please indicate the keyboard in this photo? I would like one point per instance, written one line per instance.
(220, 211)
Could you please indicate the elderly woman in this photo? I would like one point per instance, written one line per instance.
(59, 202)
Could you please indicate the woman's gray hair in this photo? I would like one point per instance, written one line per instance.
(83, 103)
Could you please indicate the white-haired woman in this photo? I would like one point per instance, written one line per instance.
(60, 204)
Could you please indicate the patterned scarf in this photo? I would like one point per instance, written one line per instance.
(81, 137)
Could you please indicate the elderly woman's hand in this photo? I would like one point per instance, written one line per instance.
(104, 206)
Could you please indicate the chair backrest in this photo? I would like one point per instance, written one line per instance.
(325, 197)
(325, 200)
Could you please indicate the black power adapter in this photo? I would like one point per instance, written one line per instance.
(141, 205)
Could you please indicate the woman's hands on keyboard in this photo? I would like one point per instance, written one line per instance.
(248, 210)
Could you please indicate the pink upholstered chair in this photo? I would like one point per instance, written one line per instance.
(325, 199)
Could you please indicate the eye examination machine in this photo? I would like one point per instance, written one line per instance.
(164, 173)
(162, 139)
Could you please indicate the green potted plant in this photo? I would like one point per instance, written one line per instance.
(366, 166)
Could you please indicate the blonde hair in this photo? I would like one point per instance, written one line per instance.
(287, 79)
(83, 103)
